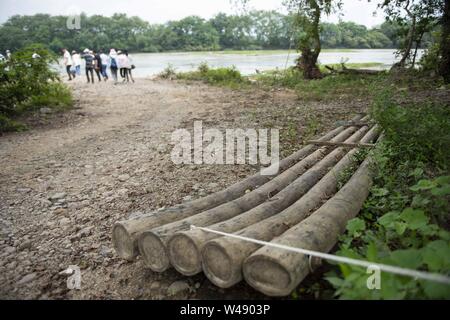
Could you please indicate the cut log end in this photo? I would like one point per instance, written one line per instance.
(184, 254)
(218, 266)
(153, 252)
(267, 276)
(125, 245)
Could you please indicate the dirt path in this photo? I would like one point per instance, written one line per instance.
(63, 186)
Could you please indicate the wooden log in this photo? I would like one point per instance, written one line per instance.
(184, 248)
(125, 233)
(277, 272)
(222, 258)
(153, 243)
(341, 144)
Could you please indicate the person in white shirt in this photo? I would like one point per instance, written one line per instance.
(130, 65)
(113, 64)
(76, 58)
(67, 60)
(105, 62)
(123, 64)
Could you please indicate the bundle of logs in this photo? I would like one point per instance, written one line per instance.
(300, 207)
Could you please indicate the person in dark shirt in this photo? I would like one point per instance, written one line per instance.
(90, 64)
(98, 65)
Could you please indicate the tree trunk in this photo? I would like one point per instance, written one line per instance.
(153, 243)
(310, 48)
(223, 257)
(184, 247)
(444, 68)
(125, 233)
(277, 272)
(410, 39)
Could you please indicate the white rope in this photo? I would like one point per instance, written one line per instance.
(435, 277)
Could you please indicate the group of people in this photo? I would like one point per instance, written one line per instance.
(119, 62)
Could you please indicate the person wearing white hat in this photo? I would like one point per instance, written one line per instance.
(113, 65)
(90, 64)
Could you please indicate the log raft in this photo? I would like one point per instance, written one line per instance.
(153, 243)
(301, 199)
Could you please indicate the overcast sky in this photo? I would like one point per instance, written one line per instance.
(158, 11)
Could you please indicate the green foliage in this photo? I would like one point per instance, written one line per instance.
(254, 30)
(419, 129)
(230, 77)
(404, 221)
(29, 83)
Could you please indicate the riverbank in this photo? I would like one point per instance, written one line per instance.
(251, 62)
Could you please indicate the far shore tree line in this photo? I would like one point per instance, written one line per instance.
(255, 30)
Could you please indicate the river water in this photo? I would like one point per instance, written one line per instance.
(148, 64)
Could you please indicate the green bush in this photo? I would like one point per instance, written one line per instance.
(230, 77)
(28, 83)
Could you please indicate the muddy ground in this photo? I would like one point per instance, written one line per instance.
(64, 182)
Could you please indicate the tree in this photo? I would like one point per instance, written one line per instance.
(417, 17)
(308, 19)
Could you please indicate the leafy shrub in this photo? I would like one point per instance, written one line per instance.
(419, 131)
(28, 83)
(220, 76)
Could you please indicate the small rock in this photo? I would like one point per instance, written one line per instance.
(177, 287)
(57, 196)
(213, 185)
(25, 245)
(27, 278)
(59, 211)
(187, 198)
(123, 177)
(64, 221)
(45, 110)
(105, 251)
(10, 250)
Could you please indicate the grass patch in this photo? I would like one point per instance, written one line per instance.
(331, 87)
